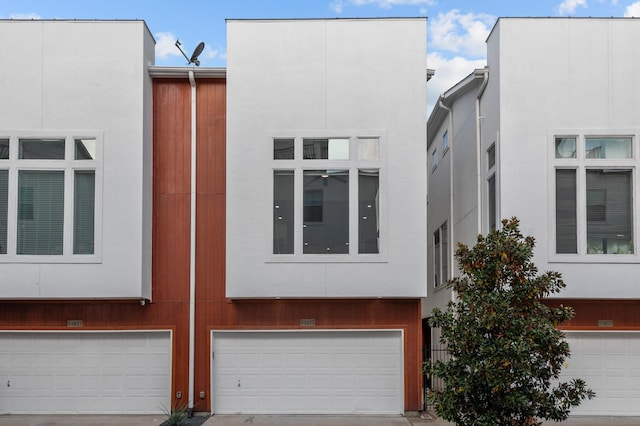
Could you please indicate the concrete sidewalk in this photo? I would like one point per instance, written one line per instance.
(80, 420)
(273, 420)
(424, 420)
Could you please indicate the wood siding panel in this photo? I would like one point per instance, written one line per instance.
(172, 140)
(625, 314)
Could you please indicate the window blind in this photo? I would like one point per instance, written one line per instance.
(40, 212)
(566, 223)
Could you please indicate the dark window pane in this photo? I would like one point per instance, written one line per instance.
(313, 205)
(283, 223)
(4, 207)
(85, 149)
(4, 149)
(445, 255)
(492, 203)
(41, 149)
(40, 212)
(84, 211)
(283, 149)
(331, 235)
(368, 211)
(436, 258)
(491, 156)
(566, 223)
(609, 211)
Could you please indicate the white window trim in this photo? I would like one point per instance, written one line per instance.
(490, 172)
(298, 164)
(581, 164)
(443, 280)
(69, 165)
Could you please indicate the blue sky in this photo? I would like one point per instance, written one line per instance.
(456, 29)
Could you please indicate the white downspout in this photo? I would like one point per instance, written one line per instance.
(192, 251)
(485, 80)
(451, 245)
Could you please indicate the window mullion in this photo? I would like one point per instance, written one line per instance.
(298, 195)
(582, 203)
(67, 247)
(353, 210)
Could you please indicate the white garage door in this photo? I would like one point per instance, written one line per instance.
(610, 364)
(84, 372)
(328, 372)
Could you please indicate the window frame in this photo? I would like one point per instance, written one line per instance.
(491, 189)
(445, 142)
(69, 165)
(581, 164)
(298, 165)
(440, 256)
(434, 159)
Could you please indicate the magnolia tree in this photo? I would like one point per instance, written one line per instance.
(505, 350)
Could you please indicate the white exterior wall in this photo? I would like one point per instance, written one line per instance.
(465, 217)
(564, 76)
(463, 146)
(73, 77)
(326, 78)
(438, 207)
(490, 126)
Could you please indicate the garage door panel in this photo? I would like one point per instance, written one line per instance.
(609, 363)
(85, 372)
(307, 372)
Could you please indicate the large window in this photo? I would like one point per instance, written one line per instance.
(48, 197)
(326, 195)
(594, 195)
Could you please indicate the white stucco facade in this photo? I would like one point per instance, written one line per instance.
(453, 196)
(562, 77)
(346, 78)
(548, 78)
(75, 79)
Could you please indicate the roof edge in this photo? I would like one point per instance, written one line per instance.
(183, 72)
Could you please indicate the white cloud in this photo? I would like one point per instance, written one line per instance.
(338, 5)
(166, 45)
(460, 33)
(449, 71)
(216, 52)
(387, 4)
(568, 7)
(633, 10)
(31, 15)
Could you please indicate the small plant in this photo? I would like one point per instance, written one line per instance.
(177, 414)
